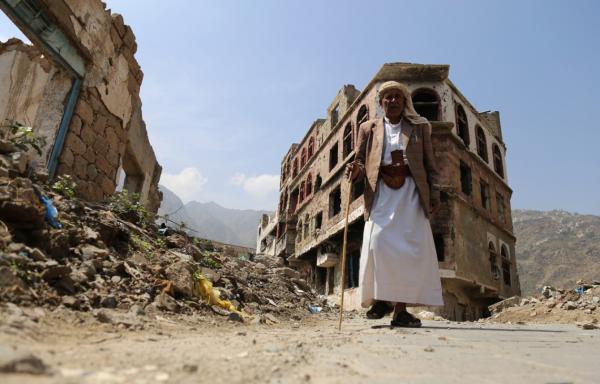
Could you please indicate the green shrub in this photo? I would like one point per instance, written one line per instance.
(65, 186)
(128, 207)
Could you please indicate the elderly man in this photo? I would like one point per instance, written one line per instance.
(398, 264)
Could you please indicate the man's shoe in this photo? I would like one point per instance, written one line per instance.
(379, 310)
(405, 319)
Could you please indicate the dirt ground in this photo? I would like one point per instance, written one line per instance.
(77, 348)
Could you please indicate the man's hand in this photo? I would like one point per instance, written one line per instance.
(435, 202)
(352, 170)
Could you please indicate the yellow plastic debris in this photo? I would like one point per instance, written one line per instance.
(204, 289)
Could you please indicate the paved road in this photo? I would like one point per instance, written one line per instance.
(311, 352)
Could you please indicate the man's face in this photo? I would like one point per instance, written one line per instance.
(392, 103)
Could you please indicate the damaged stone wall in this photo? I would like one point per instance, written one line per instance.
(107, 132)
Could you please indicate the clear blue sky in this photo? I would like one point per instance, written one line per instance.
(229, 85)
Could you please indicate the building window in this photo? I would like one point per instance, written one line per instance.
(362, 115)
(493, 262)
(302, 191)
(294, 200)
(335, 115)
(299, 231)
(438, 240)
(498, 167)
(319, 220)
(347, 141)
(318, 182)
(462, 125)
(358, 188)
(465, 179)
(311, 147)
(333, 156)
(306, 227)
(308, 185)
(295, 168)
(500, 207)
(481, 144)
(303, 158)
(426, 103)
(505, 265)
(335, 201)
(485, 195)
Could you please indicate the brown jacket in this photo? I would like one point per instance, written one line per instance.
(418, 150)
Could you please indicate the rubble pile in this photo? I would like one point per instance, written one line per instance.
(580, 305)
(106, 256)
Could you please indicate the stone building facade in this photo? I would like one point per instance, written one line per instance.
(78, 86)
(473, 230)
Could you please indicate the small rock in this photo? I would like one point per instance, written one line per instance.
(109, 301)
(269, 319)
(56, 272)
(569, 305)
(89, 252)
(115, 279)
(234, 316)
(190, 368)
(181, 276)
(165, 302)
(137, 310)
(589, 326)
(103, 316)
(20, 362)
(429, 349)
(38, 255)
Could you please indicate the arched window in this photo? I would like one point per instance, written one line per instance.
(505, 265)
(295, 168)
(303, 158)
(481, 144)
(311, 147)
(362, 115)
(493, 262)
(462, 125)
(308, 185)
(426, 103)
(347, 148)
(498, 167)
(318, 182)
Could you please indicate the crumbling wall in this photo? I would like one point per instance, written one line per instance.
(107, 129)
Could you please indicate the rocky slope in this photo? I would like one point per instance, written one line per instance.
(556, 248)
(211, 221)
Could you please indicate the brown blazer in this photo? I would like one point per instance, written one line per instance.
(418, 150)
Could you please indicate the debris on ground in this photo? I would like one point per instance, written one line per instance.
(579, 306)
(59, 251)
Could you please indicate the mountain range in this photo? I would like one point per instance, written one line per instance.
(212, 221)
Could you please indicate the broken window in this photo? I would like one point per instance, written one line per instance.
(129, 174)
(505, 265)
(426, 103)
(333, 156)
(303, 158)
(335, 115)
(493, 263)
(481, 144)
(295, 168)
(438, 240)
(318, 182)
(311, 147)
(302, 191)
(335, 201)
(498, 167)
(358, 188)
(352, 268)
(362, 115)
(485, 195)
(294, 200)
(308, 185)
(319, 220)
(500, 207)
(306, 227)
(347, 141)
(465, 178)
(462, 126)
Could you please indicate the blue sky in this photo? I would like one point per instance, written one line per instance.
(229, 85)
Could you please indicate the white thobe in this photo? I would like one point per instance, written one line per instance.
(398, 262)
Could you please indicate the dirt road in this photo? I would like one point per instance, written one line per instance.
(79, 349)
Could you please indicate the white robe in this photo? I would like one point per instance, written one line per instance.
(398, 262)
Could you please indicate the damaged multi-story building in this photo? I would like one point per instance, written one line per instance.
(78, 87)
(473, 230)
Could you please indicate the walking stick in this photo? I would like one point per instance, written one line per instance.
(343, 274)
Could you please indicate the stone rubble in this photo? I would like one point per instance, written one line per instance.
(100, 263)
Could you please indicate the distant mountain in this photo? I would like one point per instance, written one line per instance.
(556, 248)
(211, 221)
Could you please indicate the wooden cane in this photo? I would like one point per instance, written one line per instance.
(343, 275)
